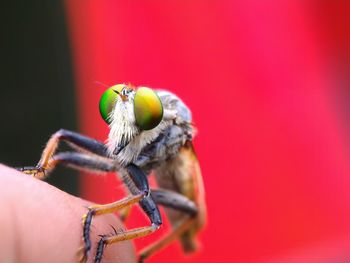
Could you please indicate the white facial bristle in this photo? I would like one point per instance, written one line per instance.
(122, 127)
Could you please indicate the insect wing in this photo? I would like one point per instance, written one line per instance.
(191, 162)
(182, 174)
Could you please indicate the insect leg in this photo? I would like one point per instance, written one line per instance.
(174, 200)
(168, 199)
(73, 138)
(97, 210)
(101, 164)
(152, 211)
(178, 202)
(147, 204)
(83, 161)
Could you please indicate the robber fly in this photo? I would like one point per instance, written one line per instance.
(150, 131)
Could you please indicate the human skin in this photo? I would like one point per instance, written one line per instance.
(40, 223)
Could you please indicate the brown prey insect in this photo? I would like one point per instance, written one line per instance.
(150, 131)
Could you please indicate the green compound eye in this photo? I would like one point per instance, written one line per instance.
(107, 101)
(148, 108)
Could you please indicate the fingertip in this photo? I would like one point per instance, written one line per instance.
(41, 223)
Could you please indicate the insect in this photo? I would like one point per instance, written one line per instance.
(150, 132)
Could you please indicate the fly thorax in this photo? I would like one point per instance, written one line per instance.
(122, 127)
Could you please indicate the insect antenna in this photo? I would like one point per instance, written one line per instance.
(102, 84)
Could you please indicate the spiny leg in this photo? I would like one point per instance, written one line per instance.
(73, 138)
(174, 200)
(178, 202)
(127, 235)
(84, 161)
(148, 204)
(150, 208)
(97, 210)
(140, 194)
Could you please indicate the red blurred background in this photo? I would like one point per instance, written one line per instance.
(267, 82)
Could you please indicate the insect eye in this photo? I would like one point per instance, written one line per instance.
(148, 108)
(108, 100)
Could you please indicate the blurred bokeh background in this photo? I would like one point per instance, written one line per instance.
(268, 84)
(37, 95)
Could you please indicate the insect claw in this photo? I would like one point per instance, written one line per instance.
(86, 207)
